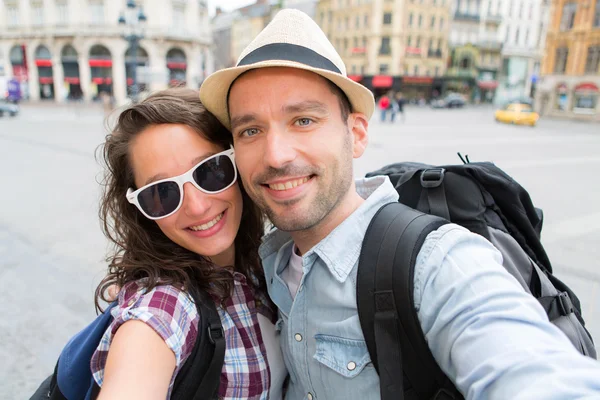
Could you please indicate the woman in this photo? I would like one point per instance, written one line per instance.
(180, 221)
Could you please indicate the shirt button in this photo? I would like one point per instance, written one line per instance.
(298, 337)
(310, 396)
(351, 366)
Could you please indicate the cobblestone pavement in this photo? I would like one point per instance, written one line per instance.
(51, 247)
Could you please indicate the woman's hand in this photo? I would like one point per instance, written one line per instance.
(140, 365)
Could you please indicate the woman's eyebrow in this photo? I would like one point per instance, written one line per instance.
(195, 161)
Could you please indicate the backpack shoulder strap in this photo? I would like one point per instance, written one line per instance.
(200, 376)
(385, 285)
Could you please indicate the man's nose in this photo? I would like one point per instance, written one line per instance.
(280, 149)
(195, 202)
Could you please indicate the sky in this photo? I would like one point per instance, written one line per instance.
(227, 5)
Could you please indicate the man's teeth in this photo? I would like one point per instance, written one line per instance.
(208, 225)
(289, 184)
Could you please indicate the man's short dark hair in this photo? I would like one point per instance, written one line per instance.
(345, 106)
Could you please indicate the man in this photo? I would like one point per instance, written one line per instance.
(297, 123)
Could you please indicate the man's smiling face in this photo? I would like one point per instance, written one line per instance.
(294, 151)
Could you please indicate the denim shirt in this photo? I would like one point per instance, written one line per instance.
(489, 336)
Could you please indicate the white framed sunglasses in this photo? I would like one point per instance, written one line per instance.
(163, 198)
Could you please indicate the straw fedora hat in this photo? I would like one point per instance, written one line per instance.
(292, 39)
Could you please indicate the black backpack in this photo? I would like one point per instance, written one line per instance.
(483, 199)
(198, 378)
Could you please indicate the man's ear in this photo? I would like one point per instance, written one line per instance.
(359, 127)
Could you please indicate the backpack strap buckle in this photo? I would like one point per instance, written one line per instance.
(215, 333)
(433, 177)
(564, 303)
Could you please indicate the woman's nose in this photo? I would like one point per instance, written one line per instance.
(195, 202)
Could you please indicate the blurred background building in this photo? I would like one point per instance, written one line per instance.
(571, 66)
(75, 49)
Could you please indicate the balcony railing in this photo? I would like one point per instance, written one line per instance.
(495, 19)
(460, 16)
(490, 44)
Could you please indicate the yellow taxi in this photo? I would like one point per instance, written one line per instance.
(516, 113)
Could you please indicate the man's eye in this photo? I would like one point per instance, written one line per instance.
(304, 121)
(249, 132)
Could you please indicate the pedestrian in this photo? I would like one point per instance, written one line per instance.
(177, 229)
(295, 151)
(384, 104)
(400, 104)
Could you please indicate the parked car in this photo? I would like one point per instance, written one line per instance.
(8, 108)
(517, 113)
(453, 100)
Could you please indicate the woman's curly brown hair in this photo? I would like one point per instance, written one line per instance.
(140, 249)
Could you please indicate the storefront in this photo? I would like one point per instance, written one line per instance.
(18, 61)
(43, 61)
(101, 69)
(417, 88)
(69, 60)
(177, 66)
(585, 98)
(132, 67)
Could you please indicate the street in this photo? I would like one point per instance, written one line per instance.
(52, 249)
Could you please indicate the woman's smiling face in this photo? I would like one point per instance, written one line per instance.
(206, 224)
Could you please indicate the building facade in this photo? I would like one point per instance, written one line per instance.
(389, 44)
(74, 49)
(475, 49)
(570, 82)
(524, 25)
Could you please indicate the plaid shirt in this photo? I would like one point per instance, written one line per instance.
(173, 316)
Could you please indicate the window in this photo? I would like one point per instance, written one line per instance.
(37, 11)
(568, 16)
(430, 47)
(357, 22)
(366, 24)
(330, 16)
(437, 71)
(426, 72)
(385, 46)
(420, 20)
(362, 69)
(364, 42)
(560, 64)
(62, 10)
(410, 19)
(593, 59)
(439, 46)
(387, 18)
(409, 41)
(383, 69)
(521, 10)
(433, 21)
(347, 23)
(346, 46)
(418, 45)
(441, 24)
(178, 17)
(526, 37)
(355, 42)
(97, 12)
(12, 12)
(597, 14)
(517, 36)
(416, 70)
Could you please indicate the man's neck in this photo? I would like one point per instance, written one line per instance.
(307, 239)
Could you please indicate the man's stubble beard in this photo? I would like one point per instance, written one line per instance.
(328, 197)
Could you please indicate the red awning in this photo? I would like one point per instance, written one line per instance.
(355, 78)
(100, 81)
(423, 80)
(413, 50)
(586, 87)
(382, 81)
(43, 63)
(487, 85)
(176, 65)
(46, 79)
(72, 80)
(101, 63)
(130, 81)
(359, 50)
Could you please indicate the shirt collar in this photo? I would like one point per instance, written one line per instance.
(341, 248)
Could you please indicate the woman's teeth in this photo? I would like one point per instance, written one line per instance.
(289, 184)
(208, 225)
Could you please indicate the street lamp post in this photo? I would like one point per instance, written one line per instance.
(134, 21)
